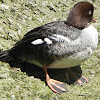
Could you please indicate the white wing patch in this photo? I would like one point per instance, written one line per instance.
(48, 41)
(40, 41)
(60, 38)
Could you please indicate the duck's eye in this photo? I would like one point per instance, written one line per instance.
(90, 12)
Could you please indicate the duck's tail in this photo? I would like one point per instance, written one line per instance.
(4, 56)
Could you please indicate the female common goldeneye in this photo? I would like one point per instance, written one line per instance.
(59, 44)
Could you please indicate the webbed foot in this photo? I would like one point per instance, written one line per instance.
(54, 85)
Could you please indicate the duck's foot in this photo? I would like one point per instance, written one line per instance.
(75, 76)
(54, 85)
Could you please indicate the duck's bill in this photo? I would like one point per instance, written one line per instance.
(94, 20)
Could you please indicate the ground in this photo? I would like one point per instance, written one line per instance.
(26, 81)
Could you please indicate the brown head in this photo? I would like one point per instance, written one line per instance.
(80, 15)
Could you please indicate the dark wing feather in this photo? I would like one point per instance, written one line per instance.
(44, 53)
(31, 36)
(41, 32)
(47, 30)
(24, 48)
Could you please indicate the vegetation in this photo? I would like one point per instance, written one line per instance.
(26, 81)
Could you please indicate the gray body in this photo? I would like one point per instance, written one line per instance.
(68, 46)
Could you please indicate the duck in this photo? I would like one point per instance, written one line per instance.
(59, 45)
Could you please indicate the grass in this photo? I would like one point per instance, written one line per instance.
(27, 82)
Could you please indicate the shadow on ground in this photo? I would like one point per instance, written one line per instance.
(38, 72)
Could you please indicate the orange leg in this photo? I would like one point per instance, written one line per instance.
(74, 77)
(55, 86)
